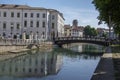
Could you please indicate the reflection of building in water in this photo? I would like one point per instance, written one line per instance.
(84, 47)
(31, 65)
(78, 47)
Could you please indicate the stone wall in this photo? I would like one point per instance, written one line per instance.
(5, 48)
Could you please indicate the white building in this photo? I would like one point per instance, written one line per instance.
(36, 65)
(102, 32)
(34, 22)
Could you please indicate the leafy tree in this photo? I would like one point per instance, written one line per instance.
(104, 34)
(109, 11)
(88, 31)
(93, 32)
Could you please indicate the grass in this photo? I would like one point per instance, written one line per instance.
(115, 48)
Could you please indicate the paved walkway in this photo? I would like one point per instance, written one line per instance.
(105, 69)
(116, 61)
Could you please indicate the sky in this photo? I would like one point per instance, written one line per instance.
(82, 10)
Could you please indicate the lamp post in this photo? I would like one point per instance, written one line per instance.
(110, 25)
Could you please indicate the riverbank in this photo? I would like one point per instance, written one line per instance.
(116, 61)
(105, 69)
(22, 48)
(109, 65)
(14, 53)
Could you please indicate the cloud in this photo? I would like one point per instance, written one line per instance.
(84, 16)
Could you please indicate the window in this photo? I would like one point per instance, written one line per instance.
(53, 17)
(25, 15)
(23, 69)
(37, 23)
(43, 33)
(30, 70)
(31, 23)
(43, 24)
(25, 23)
(4, 26)
(4, 34)
(12, 14)
(16, 69)
(12, 26)
(18, 15)
(35, 70)
(31, 15)
(43, 15)
(30, 32)
(4, 14)
(53, 25)
(37, 32)
(18, 26)
(42, 70)
(38, 15)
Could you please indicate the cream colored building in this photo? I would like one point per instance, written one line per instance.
(34, 22)
(67, 32)
(74, 30)
(34, 64)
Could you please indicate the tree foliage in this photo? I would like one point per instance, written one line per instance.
(109, 9)
(88, 31)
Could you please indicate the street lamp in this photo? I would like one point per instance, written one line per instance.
(109, 25)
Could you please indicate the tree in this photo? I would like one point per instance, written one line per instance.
(88, 31)
(93, 32)
(109, 9)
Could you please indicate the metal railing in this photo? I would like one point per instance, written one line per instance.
(81, 38)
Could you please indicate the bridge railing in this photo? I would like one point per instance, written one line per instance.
(80, 38)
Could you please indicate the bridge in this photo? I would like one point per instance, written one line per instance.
(66, 40)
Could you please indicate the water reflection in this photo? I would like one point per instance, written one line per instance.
(36, 64)
(70, 63)
(84, 47)
(81, 55)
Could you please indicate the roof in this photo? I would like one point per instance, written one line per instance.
(67, 26)
(78, 28)
(53, 10)
(13, 6)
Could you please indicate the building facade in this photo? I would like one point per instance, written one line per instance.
(33, 22)
(77, 31)
(102, 32)
(39, 64)
(67, 30)
(74, 30)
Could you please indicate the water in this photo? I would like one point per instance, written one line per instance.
(75, 62)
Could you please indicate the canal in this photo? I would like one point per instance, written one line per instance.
(73, 62)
